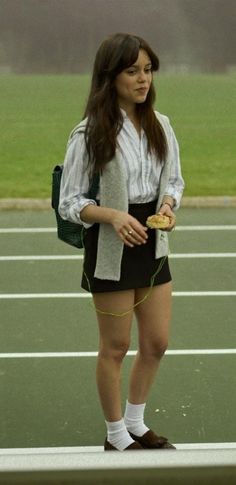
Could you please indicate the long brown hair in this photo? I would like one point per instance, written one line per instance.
(104, 117)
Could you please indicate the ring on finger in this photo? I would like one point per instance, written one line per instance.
(130, 233)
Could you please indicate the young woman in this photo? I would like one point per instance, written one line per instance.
(134, 150)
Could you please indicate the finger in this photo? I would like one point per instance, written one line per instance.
(124, 237)
(137, 241)
(172, 224)
(134, 233)
(136, 238)
(126, 241)
(139, 232)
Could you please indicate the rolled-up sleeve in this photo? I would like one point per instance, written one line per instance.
(75, 181)
(175, 184)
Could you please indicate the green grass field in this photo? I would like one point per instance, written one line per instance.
(38, 112)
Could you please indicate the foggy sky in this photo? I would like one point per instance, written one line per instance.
(63, 35)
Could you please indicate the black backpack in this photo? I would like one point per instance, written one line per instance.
(67, 231)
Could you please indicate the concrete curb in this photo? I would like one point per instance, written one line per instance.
(45, 204)
(25, 204)
(210, 201)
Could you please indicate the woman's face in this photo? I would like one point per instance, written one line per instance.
(133, 83)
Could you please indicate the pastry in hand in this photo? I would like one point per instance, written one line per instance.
(158, 221)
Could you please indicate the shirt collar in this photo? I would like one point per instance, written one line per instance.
(126, 118)
(124, 114)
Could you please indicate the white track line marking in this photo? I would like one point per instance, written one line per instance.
(19, 230)
(16, 296)
(42, 258)
(204, 293)
(47, 355)
(201, 255)
(19, 296)
(228, 227)
(72, 257)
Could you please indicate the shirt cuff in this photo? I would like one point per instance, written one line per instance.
(176, 196)
(75, 212)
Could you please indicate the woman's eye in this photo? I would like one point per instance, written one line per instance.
(134, 71)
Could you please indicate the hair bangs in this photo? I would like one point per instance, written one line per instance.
(129, 51)
(125, 53)
(121, 51)
(154, 59)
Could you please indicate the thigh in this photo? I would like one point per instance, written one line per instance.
(114, 314)
(153, 314)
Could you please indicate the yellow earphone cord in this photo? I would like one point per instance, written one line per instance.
(103, 312)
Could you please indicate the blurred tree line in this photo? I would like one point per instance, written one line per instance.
(63, 35)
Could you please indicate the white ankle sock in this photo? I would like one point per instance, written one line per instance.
(117, 434)
(134, 414)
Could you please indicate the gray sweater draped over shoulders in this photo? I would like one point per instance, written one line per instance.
(113, 193)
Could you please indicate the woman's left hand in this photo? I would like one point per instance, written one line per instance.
(165, 210)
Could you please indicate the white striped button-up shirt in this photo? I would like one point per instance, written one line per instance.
(142, 169)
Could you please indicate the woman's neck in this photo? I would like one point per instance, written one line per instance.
(132, 115)
(130, 109)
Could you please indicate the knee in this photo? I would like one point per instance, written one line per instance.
(154, 350)
(115, 350)
(160, 349)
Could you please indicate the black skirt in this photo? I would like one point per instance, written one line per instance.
(139, 268)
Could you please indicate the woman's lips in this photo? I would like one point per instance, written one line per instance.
(142, 90)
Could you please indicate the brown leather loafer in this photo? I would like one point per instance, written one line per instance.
(152, 441)
(133, 446)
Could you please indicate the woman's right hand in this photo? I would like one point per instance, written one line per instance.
(129, 229)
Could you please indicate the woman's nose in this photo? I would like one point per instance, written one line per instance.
(142, 76)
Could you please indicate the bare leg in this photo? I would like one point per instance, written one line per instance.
(114, 344)
(153, 317)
